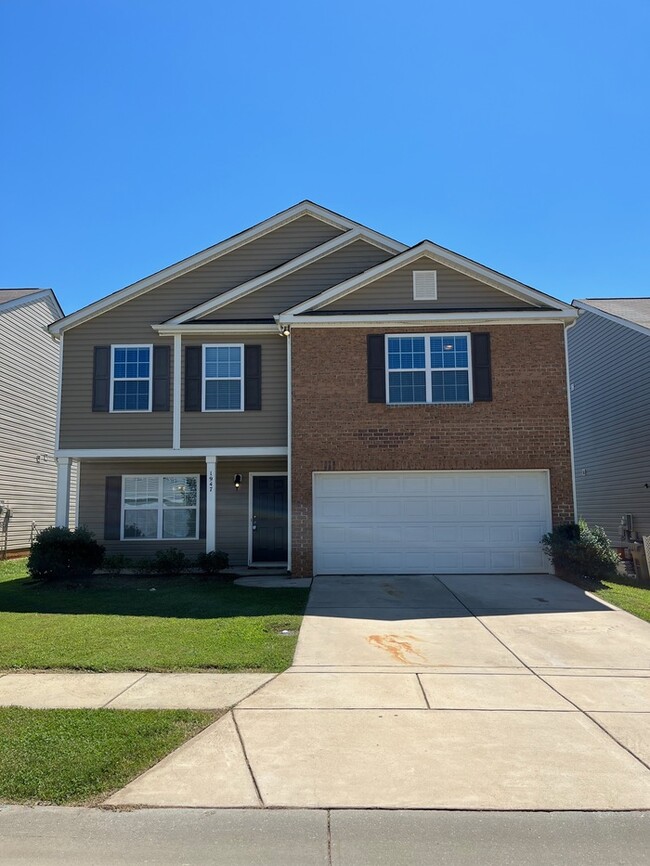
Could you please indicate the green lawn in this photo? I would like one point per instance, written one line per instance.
(631, 597)
(72, 757)
(135, 623)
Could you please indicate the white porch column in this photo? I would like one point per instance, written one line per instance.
(62, 514)
(211, 505)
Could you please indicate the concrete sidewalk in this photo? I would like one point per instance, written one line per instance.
(51, 836)
(127, 691)
(500, 692)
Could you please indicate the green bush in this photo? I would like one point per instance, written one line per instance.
(578, 550)
(115, 563)
(60, 554)
(170, 561)
(143, 566)
(212, 563)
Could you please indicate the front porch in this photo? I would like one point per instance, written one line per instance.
(137, 505)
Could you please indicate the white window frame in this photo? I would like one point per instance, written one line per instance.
(428, 369)
(149, 347)
(434, 295)
(160, 506)
(205, 379)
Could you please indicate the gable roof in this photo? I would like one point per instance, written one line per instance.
(307, 258)
(632, 312)
(303, 208)
(437, 254)
(11, 298)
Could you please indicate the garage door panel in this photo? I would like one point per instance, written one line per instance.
(423, 522)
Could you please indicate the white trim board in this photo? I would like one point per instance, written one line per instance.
(284, 270)
(618, 320)
(222, 328)
(304, 208)
(437, 254)
(503, 317)
(251, 476)
(157, 453)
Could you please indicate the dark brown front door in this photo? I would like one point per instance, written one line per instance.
(269, 518)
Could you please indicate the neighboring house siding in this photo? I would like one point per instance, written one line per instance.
(131, 322)
(525, 426)
(455, 290)
(261, 427)
(610, 406)
(232, 504)
(29, 360)
(305, 283)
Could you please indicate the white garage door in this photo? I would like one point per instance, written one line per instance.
(427, 522)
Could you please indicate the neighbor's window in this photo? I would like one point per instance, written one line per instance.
(223, 378)
(160, 506)
(428, 369)
(131, 379)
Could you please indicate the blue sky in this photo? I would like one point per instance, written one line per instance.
(137, 132)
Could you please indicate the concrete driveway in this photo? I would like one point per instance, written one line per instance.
(456, 692)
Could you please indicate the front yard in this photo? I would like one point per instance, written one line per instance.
(634, 598)
(147, 624)
(73, 757)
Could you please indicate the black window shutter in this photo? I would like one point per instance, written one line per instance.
(203, 488)
(193, 356)
(376, 368)
(160, 397)
(101, 378)
(481, 367)
(112, 507)
(252, 377)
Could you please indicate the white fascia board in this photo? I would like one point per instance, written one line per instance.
(633, 326)
(222, 328)
(497, 317)
(40, 295)
(290, 267)
(156, 453)
(304, 208)
(436, 254)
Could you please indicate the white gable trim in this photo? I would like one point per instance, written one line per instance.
(612, 317)
(40, 295)
(284, 270)
(304, 208)
(437, 254)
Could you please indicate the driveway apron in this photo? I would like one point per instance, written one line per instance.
(454, 692)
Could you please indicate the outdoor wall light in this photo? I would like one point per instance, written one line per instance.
(237, 481)
(286, 331)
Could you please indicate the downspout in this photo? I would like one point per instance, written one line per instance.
(286, 332)
(568, 397)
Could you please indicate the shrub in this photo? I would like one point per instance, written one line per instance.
(212, 563)
(578, 550)
(115, 563)
(170, 561)
(60, 554)
(143, 566)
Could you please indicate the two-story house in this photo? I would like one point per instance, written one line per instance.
(313, 393)
(29, 375)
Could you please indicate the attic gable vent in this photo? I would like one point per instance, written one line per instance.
(425, 285)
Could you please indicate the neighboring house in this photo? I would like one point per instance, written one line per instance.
(29, 372)
(609, 359)
(314, 394)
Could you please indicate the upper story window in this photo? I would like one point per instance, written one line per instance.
(428, 368)
(160, 506)
(131, 379)
(223, 378)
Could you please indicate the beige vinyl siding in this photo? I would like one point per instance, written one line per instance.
(232, 504)
(305, 283)
(131, 323)
(266, 426)
(29, 360)
(610, 409)
(455, 291)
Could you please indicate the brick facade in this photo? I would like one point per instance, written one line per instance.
(525, 426)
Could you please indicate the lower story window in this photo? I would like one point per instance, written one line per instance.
(160, 506)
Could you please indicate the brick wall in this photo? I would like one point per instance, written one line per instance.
(525, 426)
